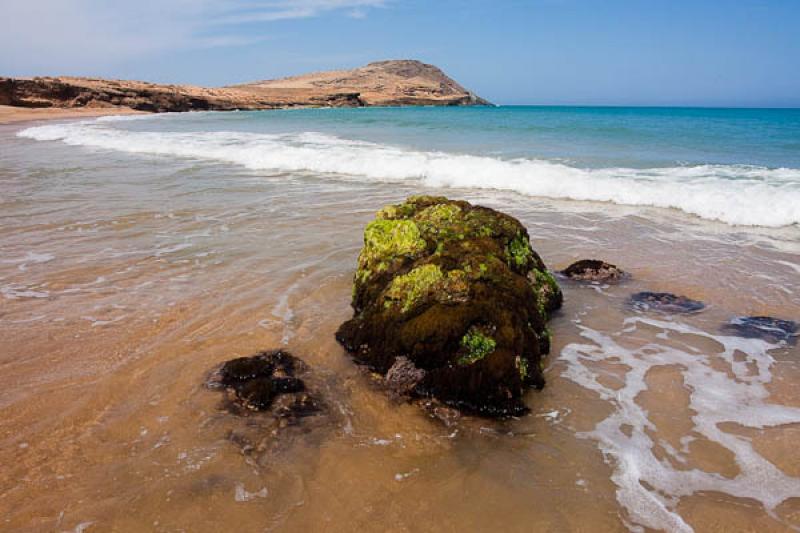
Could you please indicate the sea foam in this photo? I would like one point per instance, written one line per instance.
(734, 194)
(648, 486)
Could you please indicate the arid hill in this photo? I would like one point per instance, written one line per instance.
(402, 82)
(385, 83)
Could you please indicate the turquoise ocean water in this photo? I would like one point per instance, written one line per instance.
(738, 166)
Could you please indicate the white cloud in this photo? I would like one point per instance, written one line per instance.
(59, 35)
(264, 11)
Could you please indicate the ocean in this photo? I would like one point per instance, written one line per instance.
(139, 253)
(738, 166)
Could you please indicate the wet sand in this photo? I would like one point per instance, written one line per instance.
(126, 280)
(13, 114)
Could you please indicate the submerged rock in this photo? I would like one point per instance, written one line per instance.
(664, 302)
(594, 270)
(267, 381)
(770, 329)
(451, 301)
(278, 405)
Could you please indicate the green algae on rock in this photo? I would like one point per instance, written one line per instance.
(478, 346)
(453, 295)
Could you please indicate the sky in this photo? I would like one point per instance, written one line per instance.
(736, 53)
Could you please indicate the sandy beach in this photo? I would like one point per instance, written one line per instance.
(13, 114)
(129, 274)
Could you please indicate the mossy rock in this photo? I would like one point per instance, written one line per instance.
(457, 290)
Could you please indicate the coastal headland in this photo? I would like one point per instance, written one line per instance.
(383, 83)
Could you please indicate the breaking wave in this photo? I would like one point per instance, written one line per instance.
(734, 194)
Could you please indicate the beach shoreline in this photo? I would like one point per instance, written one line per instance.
(138, 256)
(14, 114)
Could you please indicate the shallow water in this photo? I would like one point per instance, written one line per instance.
(125, 278)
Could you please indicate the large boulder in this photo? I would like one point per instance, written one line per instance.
(451, 301)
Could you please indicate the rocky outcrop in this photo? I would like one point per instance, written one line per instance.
(384, 83)
(6, 91)
(84, 92)
(450, 301)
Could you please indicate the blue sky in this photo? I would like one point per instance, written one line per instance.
(604, 52)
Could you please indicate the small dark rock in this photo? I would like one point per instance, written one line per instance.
(272, 402)
(267, 381)
(594, 270)
(244, 369)
(770, 329)
(664, 302)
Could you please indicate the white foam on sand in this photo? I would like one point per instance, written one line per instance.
(649, 488)
(735, 194)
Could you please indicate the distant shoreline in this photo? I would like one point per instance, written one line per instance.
(12, 114)
(396, 82)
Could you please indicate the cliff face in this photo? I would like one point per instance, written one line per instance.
(384, 83)
(91, 92)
